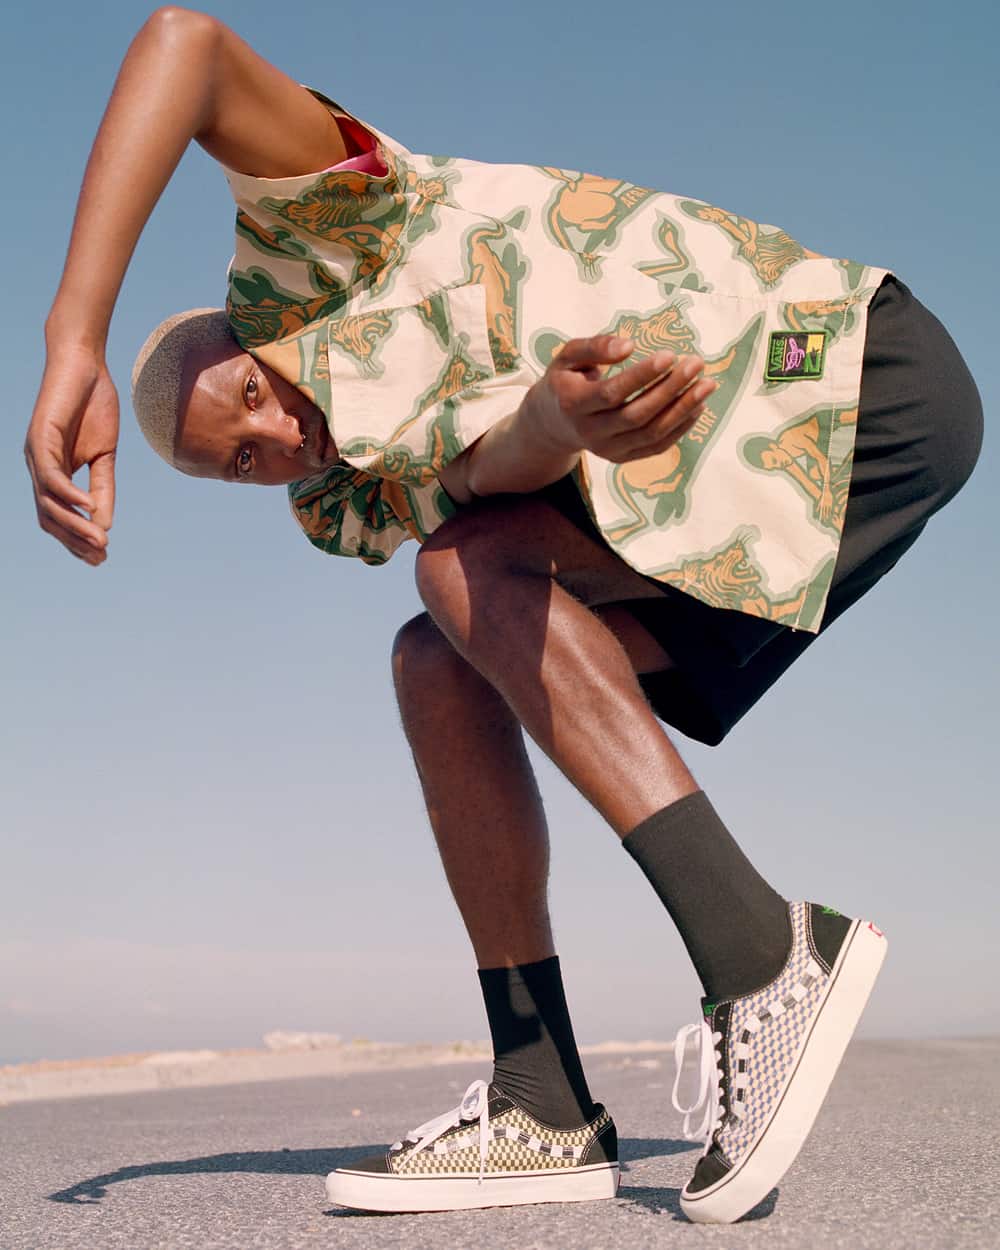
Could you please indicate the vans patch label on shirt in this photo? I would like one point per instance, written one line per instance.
(795, 357)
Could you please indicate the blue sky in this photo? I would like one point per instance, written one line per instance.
(210, 822)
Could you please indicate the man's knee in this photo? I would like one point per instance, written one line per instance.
(448, 561)
(420, 651)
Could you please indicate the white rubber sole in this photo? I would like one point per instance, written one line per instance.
(370, 1191)
(851, 981)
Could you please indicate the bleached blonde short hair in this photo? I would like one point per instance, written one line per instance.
(159, 370)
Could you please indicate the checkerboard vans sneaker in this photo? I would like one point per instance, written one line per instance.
(488, 1152)
(767, 1060)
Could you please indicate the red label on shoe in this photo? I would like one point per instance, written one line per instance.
(876, 930)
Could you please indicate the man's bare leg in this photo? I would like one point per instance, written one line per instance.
(489, 824)
(514, 586)
(481, 797)
(548, 662)
(785, 984)
(468, 748)
(498, 582)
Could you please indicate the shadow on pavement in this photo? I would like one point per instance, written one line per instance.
(661, 1200)
(633, 1148)
(293, 1162)
(658, 1199)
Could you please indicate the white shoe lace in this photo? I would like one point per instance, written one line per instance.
(708, 1103)
(474, 1106)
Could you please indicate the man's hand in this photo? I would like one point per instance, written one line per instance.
(185, 76)
(75, 422)
(638, 412)
(574, 408)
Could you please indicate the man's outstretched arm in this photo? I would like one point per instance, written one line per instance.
(186, 76)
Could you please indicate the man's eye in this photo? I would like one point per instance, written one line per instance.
(244, 462)
(251, 390)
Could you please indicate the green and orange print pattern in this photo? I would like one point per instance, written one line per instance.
(417, 308)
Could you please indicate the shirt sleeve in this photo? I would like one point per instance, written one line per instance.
(346, 512)
(437, 392)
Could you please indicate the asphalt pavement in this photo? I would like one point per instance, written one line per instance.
(903, 1155)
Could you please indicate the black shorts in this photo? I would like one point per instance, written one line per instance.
(920, 427)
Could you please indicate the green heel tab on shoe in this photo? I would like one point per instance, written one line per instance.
(827, 931)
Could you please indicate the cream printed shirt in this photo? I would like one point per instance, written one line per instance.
(416, 308)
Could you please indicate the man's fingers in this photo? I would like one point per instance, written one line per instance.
(659, 399)
(102, 490)
(68, 526)
(665, 443)
(610, 414)
(660, 375)
(679, 392)
(86, 553)
(659, 418)
(601, 349)
(77, 546)
(49, 478)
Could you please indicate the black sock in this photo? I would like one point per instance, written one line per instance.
(735, 927)
(534, 1051)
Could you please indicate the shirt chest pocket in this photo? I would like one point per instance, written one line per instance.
(412, 387)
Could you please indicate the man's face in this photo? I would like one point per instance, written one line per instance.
(241, 422)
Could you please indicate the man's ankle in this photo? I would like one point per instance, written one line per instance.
(535, 1056)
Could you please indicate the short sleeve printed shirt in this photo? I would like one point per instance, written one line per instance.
(416, 307)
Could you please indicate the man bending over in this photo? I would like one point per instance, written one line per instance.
(559, 384)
